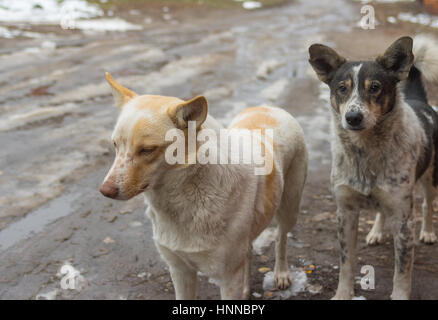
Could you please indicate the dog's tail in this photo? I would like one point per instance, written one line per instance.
(425, 50)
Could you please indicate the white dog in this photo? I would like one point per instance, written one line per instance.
(206, 216)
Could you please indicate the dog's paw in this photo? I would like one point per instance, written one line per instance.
(428, 237)
(374, 237)
(283, 279)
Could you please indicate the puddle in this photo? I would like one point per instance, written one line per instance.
(36, 221)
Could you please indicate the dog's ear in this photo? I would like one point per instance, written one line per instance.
(325, 61)
(398, 58)
(121, 94)
(195, 109)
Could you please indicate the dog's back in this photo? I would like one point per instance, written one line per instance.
(282, 186)
(287, 133)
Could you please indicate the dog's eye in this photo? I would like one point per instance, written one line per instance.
(374, 88)
(146, 151)
(342, 89)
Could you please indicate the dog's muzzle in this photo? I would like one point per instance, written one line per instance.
(109, 189)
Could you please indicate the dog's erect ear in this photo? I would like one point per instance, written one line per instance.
(398, 58)
(325, 61)
(195, 109)
(121, 94)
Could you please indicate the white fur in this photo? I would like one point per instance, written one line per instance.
(206, 216)
(425, 50)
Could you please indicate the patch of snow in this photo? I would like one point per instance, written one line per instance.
(135, 224)
(299, 283)
(314, 288)
(143, 275)
(251, 5)
(421, 18)
(50, 295)
(214, 281)
(114, 24)
(264, 240)
(70, 14)
(49, 45)
(9, 34)
(391, 19)
(47, 11)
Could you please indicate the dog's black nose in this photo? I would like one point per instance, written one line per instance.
(353, 118)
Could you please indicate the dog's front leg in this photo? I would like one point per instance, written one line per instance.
(235, 284)
(184, 278)
(185, 282)
(403, 226)
(347, 236)
(348, 217)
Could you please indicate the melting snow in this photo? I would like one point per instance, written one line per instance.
(299, 283)
(50, 295)
(264, 240)
(70, 14)
(47, 11)
(250, 5)
(421, 18)
(114, 24)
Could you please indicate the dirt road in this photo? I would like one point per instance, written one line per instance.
(56, 118)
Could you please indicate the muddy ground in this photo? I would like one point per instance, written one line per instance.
(56, 117)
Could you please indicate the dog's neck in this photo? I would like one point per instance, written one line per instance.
(186, 200)
(195, 185)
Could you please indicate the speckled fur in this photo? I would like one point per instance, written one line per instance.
(377, 168)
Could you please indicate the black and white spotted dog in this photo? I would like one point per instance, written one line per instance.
(386, 140)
